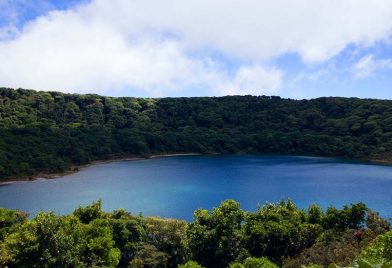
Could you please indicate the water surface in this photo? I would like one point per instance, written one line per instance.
(176, 186)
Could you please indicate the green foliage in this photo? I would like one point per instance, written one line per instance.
(53, 241)
(127, 232)
(215, 237)
(236, 265)
(259, 263)
(340, 247)
(190, 264)
(347, 218)
(168, 236)
(224, 237)
(46, 239)
(51, 132)
(332, 246)
(97, 246)
(252, 262)
(147, 255)
(279, 230)
(90, 212)
(315, 214)
(379, 251)
(9, 220)
(363, 264)
(312, 265)
(377, 224)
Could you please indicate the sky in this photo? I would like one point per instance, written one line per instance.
(168, 48)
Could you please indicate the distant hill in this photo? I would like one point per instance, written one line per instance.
(48, 132)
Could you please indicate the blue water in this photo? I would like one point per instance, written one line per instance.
(176, 186)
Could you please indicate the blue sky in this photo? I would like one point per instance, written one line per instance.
(149, 48)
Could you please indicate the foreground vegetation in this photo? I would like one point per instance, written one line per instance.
(50, 131)
(276, 235)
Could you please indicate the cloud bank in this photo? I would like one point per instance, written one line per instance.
(163, 48)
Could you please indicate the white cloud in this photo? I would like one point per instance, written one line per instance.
(253, 80)
(367, 65)
(155, 46)
(364, 67)
(317, 29)
(63, 52)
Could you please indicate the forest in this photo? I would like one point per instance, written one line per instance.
(275, 235)
(51, 132)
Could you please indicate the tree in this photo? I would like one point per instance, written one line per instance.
(252, 262)
(279, 230)
(169, 236)
(148, 255)
(352, 217)
(379, 251)
(315, 214)
(190, 264)
(215, 238)
(9, 220)
(96, 245)
(90, 212)
(46, 240)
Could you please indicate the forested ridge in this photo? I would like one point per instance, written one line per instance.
(276, 235)
(48, 132)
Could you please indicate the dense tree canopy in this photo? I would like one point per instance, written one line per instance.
(51, 131)
(275, 235)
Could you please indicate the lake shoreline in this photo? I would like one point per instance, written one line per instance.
(173, 186)
(77, 168)
(379, 161)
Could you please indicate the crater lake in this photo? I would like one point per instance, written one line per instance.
(175, 186)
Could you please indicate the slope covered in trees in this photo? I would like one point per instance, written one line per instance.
(276, 235)
(51, 131)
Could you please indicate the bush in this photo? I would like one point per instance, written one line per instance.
(190, 264)
(252, 262)
(380, 251)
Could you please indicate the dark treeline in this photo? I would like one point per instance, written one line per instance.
(276, 235)
(51, 131)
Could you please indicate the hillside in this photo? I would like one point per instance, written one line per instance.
(48, 132)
